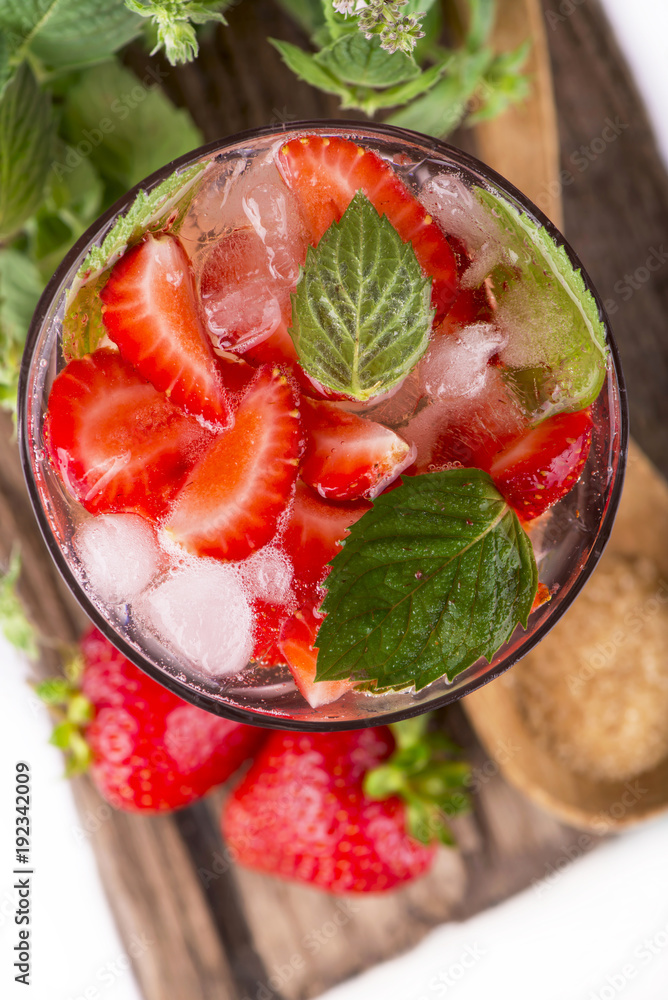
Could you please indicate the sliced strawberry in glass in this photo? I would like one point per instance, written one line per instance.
(348, 457)
(118, 443)
(151, 313)
(297, 641)
(540, 468)
(239, 489)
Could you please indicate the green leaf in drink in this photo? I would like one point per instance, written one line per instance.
(361, 313)
(556, 358)
(438, 574)
(162, 208)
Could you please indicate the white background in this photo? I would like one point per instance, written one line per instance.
(597, 931)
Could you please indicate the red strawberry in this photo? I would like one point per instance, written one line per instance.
(541, 467)
(347, 457)
(237, 492)
(118, 443)
(148, 750)
(297, 641)
(150, 312)
(301, 813)
(313, 536)
(326, 172)
(269, 620)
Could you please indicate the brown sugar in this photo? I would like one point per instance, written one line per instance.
(600, 703)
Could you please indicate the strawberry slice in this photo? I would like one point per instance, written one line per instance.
(347, 457)
(313, 536)
(118, 443)
(541, 467)
(326, 171)
(150, 312)
(237, 492)
(296, 643)
(269, 620)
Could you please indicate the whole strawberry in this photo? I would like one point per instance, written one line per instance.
(331, 809)
(147, 750)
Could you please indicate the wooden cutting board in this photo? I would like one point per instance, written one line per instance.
(215, 931)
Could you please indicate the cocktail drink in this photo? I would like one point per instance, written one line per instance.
(325, 427)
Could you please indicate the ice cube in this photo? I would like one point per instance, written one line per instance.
(201, 612)
(120, 555)
(267, 575)
(457, 365)
(239, 317)
(459, 213)
(271, 209)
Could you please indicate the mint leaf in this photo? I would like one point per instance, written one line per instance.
(305, 66)
(61, 35)
(361, 314)
(405, 92)
(20, 289)
(556, 355)
(436, 575)
(128, 126)
(26, 134)
(13, 621)
(161, 208)
(443, 108)
(361, 61)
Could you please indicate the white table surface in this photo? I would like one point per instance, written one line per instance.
(594, 931)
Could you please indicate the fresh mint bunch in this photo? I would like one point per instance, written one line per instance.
(173, 22)
(374, 55)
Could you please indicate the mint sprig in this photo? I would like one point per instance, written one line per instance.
(164, 207)
(556, 359)
(361, 314)
(438, 574)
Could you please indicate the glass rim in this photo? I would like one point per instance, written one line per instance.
(172, 683)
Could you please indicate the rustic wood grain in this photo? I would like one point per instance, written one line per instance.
(239, 934)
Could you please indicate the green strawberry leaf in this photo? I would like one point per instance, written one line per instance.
(26, 135)
(361, 314)
(162, 208)
(565, 340)
(361, 61)
(436, 575)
